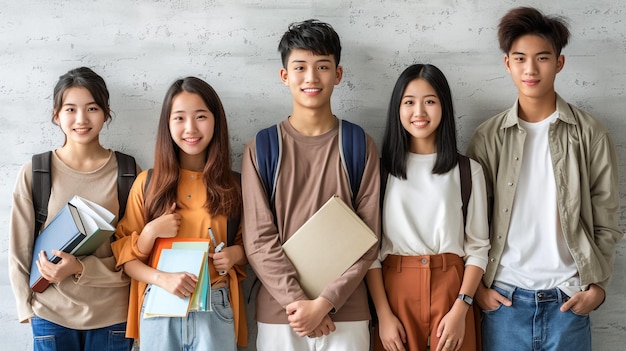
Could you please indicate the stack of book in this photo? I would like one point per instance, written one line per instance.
(79, 229)
(180, 255)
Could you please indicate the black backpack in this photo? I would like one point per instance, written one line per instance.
(42, 184)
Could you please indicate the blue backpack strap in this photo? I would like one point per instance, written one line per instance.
(353, 151)
(41, 187)
(268, 154)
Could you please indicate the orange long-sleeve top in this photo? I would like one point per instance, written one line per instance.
(195, 221)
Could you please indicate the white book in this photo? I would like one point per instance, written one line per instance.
(327, 244)
(96, 221)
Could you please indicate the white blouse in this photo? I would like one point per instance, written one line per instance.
(422, 215)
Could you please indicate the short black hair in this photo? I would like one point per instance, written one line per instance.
(396, 140)
(312, 35)
(521, 21)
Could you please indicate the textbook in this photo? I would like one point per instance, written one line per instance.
(79, 229)
(327, 244)
(161, 303)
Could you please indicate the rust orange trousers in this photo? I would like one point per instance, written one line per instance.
(421, 290)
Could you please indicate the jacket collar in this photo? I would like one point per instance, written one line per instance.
(564, 110)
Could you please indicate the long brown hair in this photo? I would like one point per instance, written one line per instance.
(223, 190)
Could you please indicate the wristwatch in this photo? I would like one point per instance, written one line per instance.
(466, 298)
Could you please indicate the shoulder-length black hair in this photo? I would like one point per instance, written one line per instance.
(396, 141)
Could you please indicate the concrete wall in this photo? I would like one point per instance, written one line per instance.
(141, 46)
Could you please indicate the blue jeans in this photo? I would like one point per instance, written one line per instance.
(534, 322)
(210, 330)
(50, 336)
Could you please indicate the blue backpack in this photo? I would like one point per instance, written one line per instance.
(352, 150)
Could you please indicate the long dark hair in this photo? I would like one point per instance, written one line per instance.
(223, 190)
(396, 141)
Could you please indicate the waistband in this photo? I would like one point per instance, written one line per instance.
(443, 261)
(219, 284)
(545, 295)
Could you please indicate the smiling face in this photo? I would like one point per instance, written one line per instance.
(311, 79)
(80, 117)
(533, 65)
(191, 126)
(420, 114)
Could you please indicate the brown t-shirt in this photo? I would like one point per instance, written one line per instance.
(310, 173)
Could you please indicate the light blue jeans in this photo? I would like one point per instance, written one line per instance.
(50, 336)
(210, 330)
(534, 322)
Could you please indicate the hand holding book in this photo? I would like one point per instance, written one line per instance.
(55, 273)
(176, 282)
(181, 284)
(78, 229)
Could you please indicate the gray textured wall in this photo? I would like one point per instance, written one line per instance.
(141, 46)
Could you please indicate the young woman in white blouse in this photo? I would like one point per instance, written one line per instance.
(430, 262)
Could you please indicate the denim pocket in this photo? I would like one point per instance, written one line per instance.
(582, 315)
(44, 343)
(118, 341)
(493, 310)
(224, 312)
(501, 292)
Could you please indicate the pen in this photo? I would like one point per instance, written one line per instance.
(212, 237)
(218, 247)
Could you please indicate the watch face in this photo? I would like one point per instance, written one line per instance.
(466, 298)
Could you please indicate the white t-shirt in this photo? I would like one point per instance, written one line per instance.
(535, 255)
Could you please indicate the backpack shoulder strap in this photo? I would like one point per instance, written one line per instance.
(41, 188)
(268, 154)
(145, 185)
(233, 222)
(353, 152)
(126, 174)
(465, 172)
(384, 174)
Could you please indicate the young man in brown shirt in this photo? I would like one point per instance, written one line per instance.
(310, 173)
